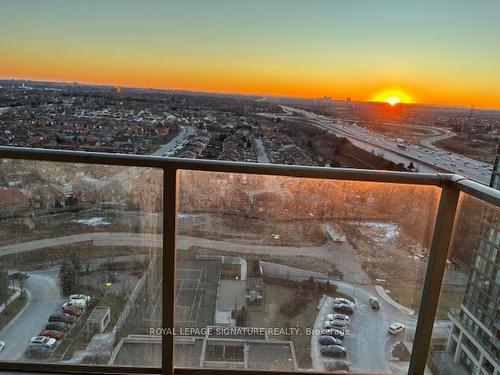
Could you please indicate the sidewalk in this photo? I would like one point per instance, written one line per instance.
(383, 294)
(11, 299)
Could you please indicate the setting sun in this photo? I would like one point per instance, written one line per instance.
(392, 97)
(393, 100)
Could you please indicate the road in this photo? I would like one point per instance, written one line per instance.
(428, 142)
(177, 140)
(44, 299)
(335, 253)
(426, 159)
(261, 152)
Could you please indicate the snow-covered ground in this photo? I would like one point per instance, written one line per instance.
(92, 222)
(380, 232)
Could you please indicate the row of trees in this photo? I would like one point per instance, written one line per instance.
(4, 285)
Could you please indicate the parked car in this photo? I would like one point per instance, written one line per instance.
(38, 351)
(57, 326)
(338, 365)
(64, 318)
(71, 310)
(396, 328)
(339, 317)
(343, 308)
(338, 324)
(334, 333)
(2, 345)
(43, 340)
(19, 275)
(344, 300)
(333, 351)
(329, 340)
(58, 335)
(80, 304)
(80, 297)
(374, 303)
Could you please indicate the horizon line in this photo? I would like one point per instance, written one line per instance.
(235, 93)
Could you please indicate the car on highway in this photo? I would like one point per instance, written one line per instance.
(38, 351)
(329, 340)
(333, 351)
(71, 310)
(338, 317)
(338, 365)
(64, 318)
(396, 328)
(58, 335)
(344, 300)
(343, 308)
(80, 297)
(2, 345)
(43, 340)
(57, 326)
(338, 334)
(374, 303)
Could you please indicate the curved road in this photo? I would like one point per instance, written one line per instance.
(428, 142)
(44, 299)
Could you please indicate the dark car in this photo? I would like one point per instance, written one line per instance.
(338, 365)
(374, 303)
(57, 326)
(64, 318)
(18, 275)
(334, 333)
(38, 351)
(343, 308)
(333, 351)
(329, 340)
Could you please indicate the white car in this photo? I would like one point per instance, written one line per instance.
(82, 298)
(2, 345)
(43, 340)
(396, 328)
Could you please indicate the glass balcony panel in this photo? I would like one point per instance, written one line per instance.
(80, 263)
(466, 331)
(261, 259)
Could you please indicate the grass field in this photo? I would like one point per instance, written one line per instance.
(410, 297)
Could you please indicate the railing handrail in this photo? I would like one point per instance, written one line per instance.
(456, 181)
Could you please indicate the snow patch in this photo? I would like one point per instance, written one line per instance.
(92, 222)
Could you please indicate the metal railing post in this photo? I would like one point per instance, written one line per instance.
(432, 285)
(168, 267)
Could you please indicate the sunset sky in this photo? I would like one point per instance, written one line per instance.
(435, 51)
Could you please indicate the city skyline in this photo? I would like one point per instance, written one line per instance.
(434, 52)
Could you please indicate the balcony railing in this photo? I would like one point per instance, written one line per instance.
(234, 213)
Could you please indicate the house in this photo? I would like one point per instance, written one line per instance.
(13, 201)
(48, 197)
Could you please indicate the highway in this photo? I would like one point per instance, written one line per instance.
(427, 159)
(44, 299)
